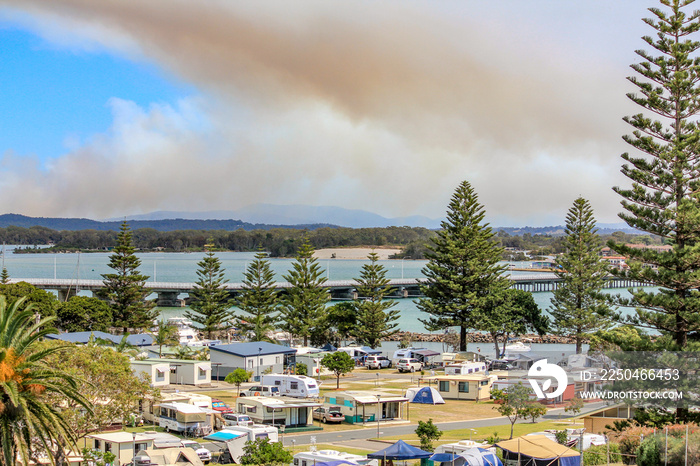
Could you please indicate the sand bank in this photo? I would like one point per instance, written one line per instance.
(354, 253)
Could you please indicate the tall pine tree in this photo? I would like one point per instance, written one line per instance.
(124, 289)
(258, 299)
(210, 299)
(578, 306)
(305, 300)
(375, 320)
(663, 199)
(462, 267)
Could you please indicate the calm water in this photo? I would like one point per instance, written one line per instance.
(182, 267)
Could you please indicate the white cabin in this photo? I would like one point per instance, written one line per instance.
(298, 386)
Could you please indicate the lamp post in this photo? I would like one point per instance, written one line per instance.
(133, 437)
(259, 351)
(379, 410)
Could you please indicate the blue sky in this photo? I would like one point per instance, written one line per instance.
(53, 98)
(124, 107)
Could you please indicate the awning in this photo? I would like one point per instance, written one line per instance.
(224, 436)
(426, 353)
(205, 367)
(160, 371)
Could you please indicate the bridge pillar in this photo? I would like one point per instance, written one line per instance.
(169, 299)
(64, 294)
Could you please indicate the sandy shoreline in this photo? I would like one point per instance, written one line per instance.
(354, 253)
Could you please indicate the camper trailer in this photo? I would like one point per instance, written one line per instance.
(298, 386)
(464, 368)
(359, 353)
(183, 417)
(425, 356)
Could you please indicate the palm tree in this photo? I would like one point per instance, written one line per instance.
(26, 419)
(165, 335)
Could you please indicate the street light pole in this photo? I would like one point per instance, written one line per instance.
(259, 351)
(379, 410)
(133, 437)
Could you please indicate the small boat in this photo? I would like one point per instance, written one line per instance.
(187, 333)
(517, 347)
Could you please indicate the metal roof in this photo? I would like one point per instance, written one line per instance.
(253, 348)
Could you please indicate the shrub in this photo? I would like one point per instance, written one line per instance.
(649, 452)
(598, 454)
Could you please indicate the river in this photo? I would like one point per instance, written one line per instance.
(182, 267)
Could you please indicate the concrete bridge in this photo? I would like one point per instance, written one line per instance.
(168, 293)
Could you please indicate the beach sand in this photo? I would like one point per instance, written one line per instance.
(354, 253)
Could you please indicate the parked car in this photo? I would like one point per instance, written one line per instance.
(328, 414)
(203, 453)
(409, 365)
(261, 390)
(233, 419)
(377, 362)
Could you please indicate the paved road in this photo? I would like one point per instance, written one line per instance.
(394, 430)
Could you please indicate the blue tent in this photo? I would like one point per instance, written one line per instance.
(425, 395)
(400, 451)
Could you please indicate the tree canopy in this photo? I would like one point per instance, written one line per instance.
(663, 198)
(462, 269)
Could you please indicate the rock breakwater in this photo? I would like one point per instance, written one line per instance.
(474, 337)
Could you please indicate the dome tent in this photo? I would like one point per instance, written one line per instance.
(424, 395)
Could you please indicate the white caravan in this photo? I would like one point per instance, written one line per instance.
(464, 368)
(298, 386)
(183, 417)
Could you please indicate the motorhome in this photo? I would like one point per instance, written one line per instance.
(310, 458)
(464, 368)
(298, 386)
(183, 417)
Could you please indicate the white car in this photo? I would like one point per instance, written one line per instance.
(261, 390)
(409, 365)
(203, 453)
(377, 362)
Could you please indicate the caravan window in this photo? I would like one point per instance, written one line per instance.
(294, 385)
(464, 387)
(444, 386)
(278, 382)
(458, 370)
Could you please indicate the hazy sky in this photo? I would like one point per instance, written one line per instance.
(118, 107)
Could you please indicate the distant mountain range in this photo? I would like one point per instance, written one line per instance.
(74, 224)
(297, 215)
(265, 217)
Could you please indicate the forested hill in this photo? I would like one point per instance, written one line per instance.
(77, 224)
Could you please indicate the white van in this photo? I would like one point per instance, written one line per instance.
(299, 386)
(183, 417)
